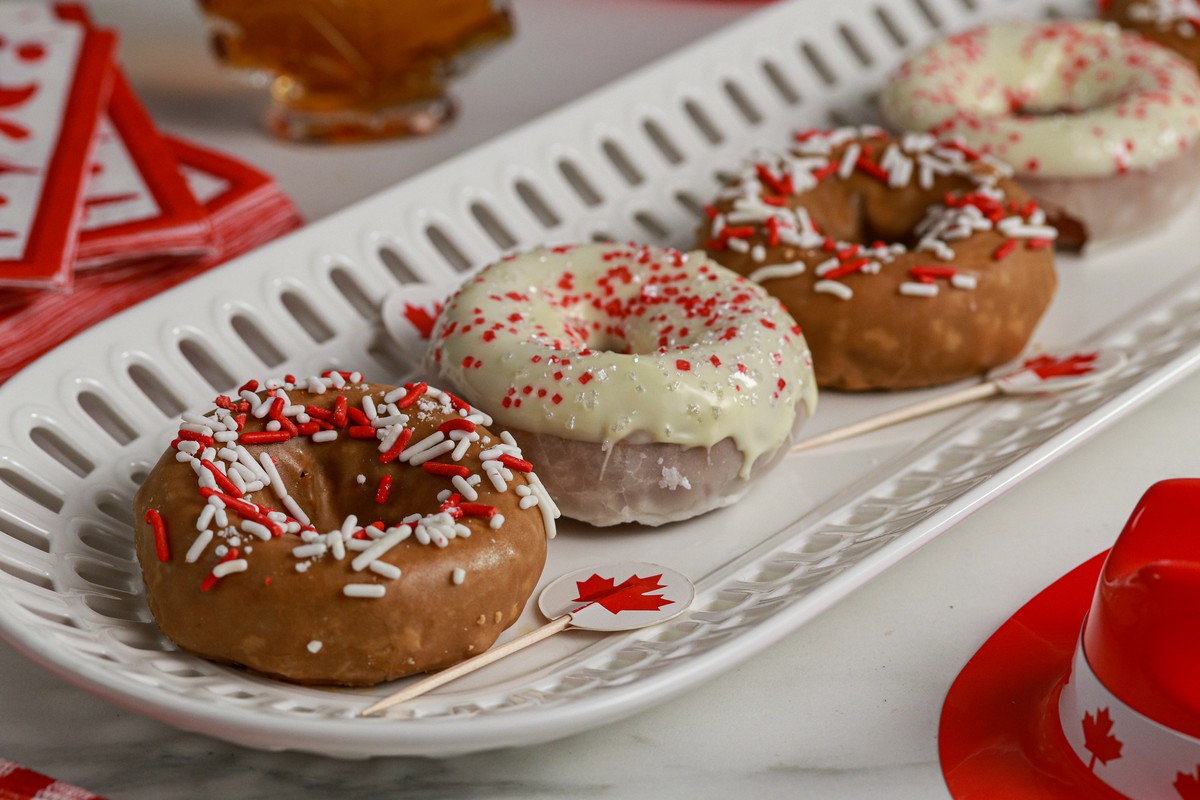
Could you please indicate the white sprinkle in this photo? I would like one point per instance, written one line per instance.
(314, 646)
(961, 281)
(315, 385)
(849, 160)
(458, 576)
(182, 456)
(368, 407)
(416, 448)
(361, 479)
(324, 436)
(391, 538)
(834, 288)
(202, 429)
(776, 271)
(914, 289)
(206, 515)
(310, 550)
(529, 501)
(496, 521)
(465, 489)
(385, 569)
(198, 545)
(230, 567)
(295, 510)
(273, 425)
(257, 528)
(460, 449)
(188, 446)
(372, 590)
(428, 454)
(546, 504)
(272, 474)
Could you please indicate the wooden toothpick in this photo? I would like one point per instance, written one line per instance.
(960, 397)
(467, 667)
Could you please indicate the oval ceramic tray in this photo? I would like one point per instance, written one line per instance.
(80, 428)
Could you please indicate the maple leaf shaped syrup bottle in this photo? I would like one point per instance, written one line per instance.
(1098, 738)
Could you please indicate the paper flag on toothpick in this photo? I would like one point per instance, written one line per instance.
(608, 598)
(409, 314)
(1042, 374)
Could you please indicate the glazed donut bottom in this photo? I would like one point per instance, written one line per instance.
(637, 480)
(1091, 212)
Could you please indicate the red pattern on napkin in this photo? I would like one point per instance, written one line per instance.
(19, 783)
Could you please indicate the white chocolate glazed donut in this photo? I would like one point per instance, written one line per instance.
(1066, 104)
(659, 383)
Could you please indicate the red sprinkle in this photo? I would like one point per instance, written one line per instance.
(161, 546)
(458, 424)
(192, 436)
(339, 411)
(264, 437)
(514, 463)
(1038, 244)
(357, 416)
(385, 486)
(871, 168)
(413, 395)
(316, 412)
(361, 432)
(478, 510)
(227, 486)
(394, 451)
(446, 470)
(1002, 252)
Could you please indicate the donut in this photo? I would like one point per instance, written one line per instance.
(909, 262)
(331, 531)
(660, 384)
(1171, 23)
(1099, 124)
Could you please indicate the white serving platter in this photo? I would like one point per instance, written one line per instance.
(79, 429)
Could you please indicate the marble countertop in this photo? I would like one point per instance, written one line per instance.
(845, 707)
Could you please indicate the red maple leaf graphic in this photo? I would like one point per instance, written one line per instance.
(1050, 367)
(633, 594)
(1188, 784)
(1098, 738)
(422, 319)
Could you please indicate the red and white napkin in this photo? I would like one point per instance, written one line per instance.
(19, 783)
(98, 209)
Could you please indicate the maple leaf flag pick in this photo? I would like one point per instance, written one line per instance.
(1047, 373)
(614, 597)
(409, 314)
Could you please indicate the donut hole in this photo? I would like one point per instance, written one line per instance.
(868, 212)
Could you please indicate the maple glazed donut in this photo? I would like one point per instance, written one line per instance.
(652, 385)
(909, 262)
(330, 531)
(1100, 124)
